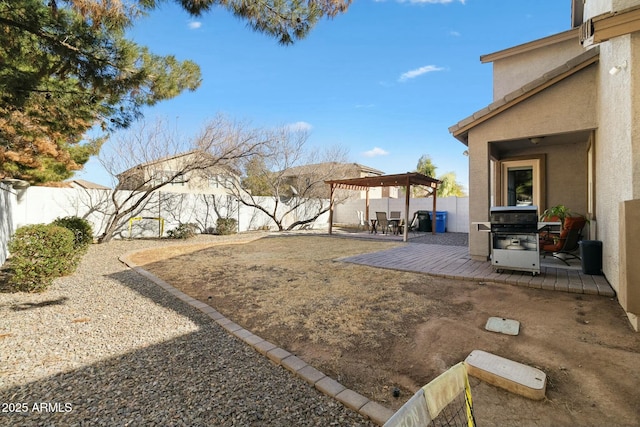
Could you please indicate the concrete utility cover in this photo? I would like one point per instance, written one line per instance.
(507, 374)
(504, 326)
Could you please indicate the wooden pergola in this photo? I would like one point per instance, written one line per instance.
(399, 180)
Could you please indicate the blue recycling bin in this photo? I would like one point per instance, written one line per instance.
(441, 221)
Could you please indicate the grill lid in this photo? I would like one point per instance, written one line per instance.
(522, 219)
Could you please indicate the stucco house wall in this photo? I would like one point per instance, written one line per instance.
(597, 7)
(199, 181)
(566, 165)
(563, 108)
(618, 179)
(614, 132)
(598, 106)
(514, 71)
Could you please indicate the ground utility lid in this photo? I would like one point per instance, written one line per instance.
(503, 326)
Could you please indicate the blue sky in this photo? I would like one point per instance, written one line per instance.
(385, 80)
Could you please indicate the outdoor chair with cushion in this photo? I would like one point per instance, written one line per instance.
(383, 222)
(395, 221)
(565, 244)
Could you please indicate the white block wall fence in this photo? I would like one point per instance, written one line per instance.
(457, 209)
(41, 205)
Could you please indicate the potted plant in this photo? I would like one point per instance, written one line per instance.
(556, 213)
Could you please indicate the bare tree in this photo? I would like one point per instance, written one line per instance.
(151, 157)
(210, 208)
(292, 177)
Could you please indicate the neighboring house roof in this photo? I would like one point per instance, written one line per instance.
(333, 168)
(157, 161)
(369, 170)
(461, 129)
(166, 159)
(75, 183)
(87, 184)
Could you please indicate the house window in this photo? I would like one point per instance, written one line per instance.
(221, 181)
(521, 182)
(520, 186)
(171, 177)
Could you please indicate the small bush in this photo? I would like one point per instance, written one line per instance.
(183, 231)
(39, 254)
(209, 230)
(226, 226)
(81, 228)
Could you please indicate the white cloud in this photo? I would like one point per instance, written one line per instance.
(454, 33)
(375, 152)
(194, 25)
(299, 126)
(418, 72)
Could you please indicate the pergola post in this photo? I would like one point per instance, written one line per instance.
(366, 208)
(331, 209)
(433, 219)
(407, 196)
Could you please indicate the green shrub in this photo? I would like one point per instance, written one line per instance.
(226, 226)
(81, 228)
(39, 254)
(183, 231)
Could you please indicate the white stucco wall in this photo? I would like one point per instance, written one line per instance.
(457, 209)
(614, 162)
(42, 205)
(6, 219)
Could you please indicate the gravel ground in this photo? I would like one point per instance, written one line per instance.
(107, 347)
(448, 239)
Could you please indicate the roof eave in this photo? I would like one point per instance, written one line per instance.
(573, 33)
(461, 129)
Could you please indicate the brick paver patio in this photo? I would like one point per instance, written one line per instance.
(454, 262)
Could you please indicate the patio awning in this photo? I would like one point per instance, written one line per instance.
(398, 180)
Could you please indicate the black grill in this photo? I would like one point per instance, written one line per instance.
(514, 219)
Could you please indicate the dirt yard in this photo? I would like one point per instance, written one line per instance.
(374, 330)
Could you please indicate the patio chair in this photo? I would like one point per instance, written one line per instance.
(395, 221)
(361, 223)
(383, 222)
(563, 246)
(413, 225)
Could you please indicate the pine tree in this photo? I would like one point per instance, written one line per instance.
(63, 74)
(67, 67)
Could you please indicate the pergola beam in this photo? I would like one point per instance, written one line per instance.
(397, 180)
